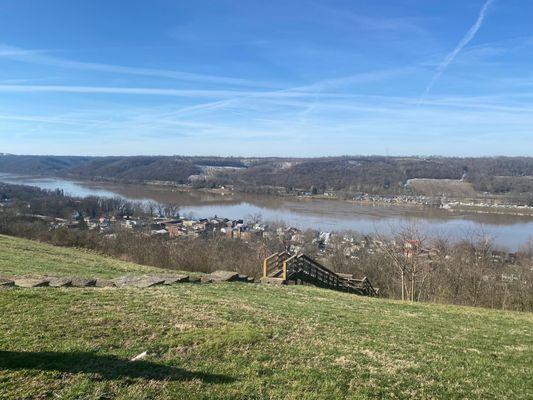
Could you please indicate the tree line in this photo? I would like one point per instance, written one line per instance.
(369, 174)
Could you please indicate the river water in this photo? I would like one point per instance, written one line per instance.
(507, 231)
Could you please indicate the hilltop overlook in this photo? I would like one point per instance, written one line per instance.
(217, 340)
(293, 200)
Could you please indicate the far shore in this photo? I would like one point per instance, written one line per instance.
(453, 205)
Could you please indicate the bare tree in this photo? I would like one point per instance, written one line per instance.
(151, 206)
(254, 218)
(171, 210)
(404, 251)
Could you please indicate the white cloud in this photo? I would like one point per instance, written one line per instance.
(42, 58)
(460, 46)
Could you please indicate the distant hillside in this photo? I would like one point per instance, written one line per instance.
(244, 341)
(132, 169)
(137, 169)
(387, 175)
(374, 174)
(46, 165)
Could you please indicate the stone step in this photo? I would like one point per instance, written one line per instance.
(104, 283)
(226, 276)
(273, 281)
(4, 283)
(60, 282)
(31, 282)
(149, 281)
(83, 282)
(223, 276)
(171, 279)
(126, 280)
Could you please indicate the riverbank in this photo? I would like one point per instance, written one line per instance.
(495, 204)
(509, 230)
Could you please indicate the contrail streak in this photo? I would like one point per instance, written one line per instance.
(464, 41)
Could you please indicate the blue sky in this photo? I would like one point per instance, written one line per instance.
(266, 78)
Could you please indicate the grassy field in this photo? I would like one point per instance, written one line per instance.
(254, 342)
(437, 187)
(26, 257)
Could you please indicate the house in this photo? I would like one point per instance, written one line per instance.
(324, 237)
(130, 224)
(168, 224)
(228, 232)
(5, 202)
(297, 237)
(249, 235)
(237, 223)
(159, 232)
(410, 248)
(175, 230)
(200, 226)
(268, 235)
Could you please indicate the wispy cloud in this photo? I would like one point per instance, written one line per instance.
(373, 23)
(300, 92)
(40, 119)
(460, 46)
(42, 57)
(264, 123)
(122, 90)
(360, 78)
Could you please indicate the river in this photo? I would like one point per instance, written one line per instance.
(507, 231)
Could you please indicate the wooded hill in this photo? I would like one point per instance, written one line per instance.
(372, 174)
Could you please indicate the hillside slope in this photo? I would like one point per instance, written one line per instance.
(252, 341)
(27, 257)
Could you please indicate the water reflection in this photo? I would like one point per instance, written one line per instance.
(509, 231)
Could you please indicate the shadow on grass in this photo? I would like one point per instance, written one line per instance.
(107, 366)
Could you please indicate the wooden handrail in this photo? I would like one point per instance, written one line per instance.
(317, 265)
(272, 256)
(273, 263)
(323, 274)
(285, 263)
(265, 264)
(304, 267)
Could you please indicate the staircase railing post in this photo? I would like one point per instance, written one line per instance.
(284, 273)
(267, 263)
(265, 268)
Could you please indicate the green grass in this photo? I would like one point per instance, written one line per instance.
(255, 342)
(26, 257)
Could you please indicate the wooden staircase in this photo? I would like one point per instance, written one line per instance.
(284, 268)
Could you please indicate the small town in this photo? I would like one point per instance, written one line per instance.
(252, 229)
(267, 200)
